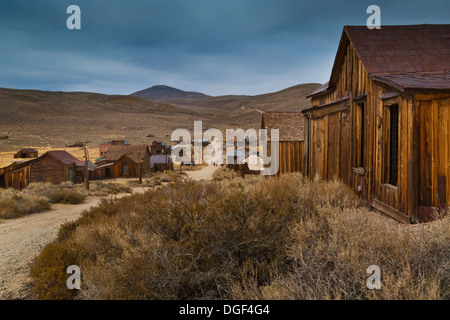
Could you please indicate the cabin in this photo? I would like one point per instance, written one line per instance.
(291, 138)
(53, 167)
(141, 152)
(381, 122)
(127, 166)
(26, 153)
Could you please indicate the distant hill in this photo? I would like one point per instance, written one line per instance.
(161, 92)
(32, 118)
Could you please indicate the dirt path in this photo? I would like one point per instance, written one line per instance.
(205, 173)
(23, 238)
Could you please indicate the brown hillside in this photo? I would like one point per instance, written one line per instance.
(43, 119)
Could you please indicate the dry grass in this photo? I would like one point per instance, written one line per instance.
(258, 238)
(37, 198)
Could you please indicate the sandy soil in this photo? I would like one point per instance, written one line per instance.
(23, 239)
(204, 173)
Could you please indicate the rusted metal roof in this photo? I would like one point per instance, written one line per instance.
(410, 57)
(290, 125)
(64, 157)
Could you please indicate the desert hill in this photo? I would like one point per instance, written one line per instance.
(45, 119)
(161, 92)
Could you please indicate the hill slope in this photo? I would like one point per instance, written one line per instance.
(161, 92)
(44, 119)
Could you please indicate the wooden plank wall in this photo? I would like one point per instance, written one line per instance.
(47, 169)
(434, 149)
(291, 156)
(354, 81)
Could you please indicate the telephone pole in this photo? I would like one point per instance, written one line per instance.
(86, 165)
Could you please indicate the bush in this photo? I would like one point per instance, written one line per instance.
(259, 238)
(37, 198)
(101, 189)
(49, 271)
(14, 204)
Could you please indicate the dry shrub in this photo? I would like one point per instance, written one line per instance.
(260, 238)
(331, 255)
(49, 271)
(14, 204)
(102, 189)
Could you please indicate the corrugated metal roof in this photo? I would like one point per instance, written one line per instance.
(405, 57)
(289, 124)
(412, 57)
(65, 158)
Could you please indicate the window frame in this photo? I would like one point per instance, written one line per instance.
(387, 144)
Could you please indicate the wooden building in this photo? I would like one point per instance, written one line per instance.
(53, 167)
(141, 152)
(291, 138)
(127, 166)
(160, 158)
(103, 148)
(381, 123)
(26, 153)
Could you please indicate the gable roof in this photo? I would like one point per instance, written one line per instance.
(289, 124)
(30, 150)
(408, 57)
(64, 157)
(115, 152)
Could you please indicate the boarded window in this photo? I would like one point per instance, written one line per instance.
(125, 169)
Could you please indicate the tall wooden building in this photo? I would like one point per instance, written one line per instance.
(291, 138)
(381, 123)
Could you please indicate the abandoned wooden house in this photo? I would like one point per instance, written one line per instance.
(382, 122)
(127, 166)
(103, 148)
(115, 165)
(26, 153)
(291, 136)
(54, 167)
(160, 158)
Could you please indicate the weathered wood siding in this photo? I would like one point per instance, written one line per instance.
(47, 169)
(423, 141)
(291, 156)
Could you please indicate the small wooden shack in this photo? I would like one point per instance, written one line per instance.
(291, 138)
(382, 122)
(26, 153)
(54, 167)
(127, 166)
(138, 153)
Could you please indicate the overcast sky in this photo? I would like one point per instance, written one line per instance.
(213, 46)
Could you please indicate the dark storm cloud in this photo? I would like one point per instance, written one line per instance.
(214, 46)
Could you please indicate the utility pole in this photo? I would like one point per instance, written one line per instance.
(86, 165)
(139, 168)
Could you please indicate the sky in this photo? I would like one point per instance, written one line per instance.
(216, 47)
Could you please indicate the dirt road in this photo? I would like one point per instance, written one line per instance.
(22, 239)
(205, 173)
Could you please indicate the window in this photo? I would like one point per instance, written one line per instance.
(361, 136)
(360, 126)
(125, 169)
(393, 145)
